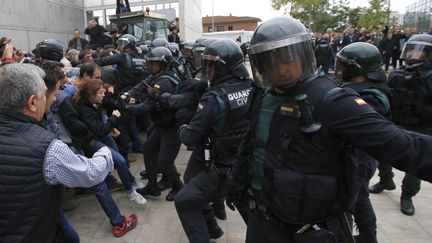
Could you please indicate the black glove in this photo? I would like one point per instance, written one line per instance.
(120, 103)
(154, 94)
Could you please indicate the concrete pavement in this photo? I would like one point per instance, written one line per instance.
(158, 221)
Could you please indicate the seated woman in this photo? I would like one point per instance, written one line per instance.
(88, 102)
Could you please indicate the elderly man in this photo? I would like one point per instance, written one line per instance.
(34, 165)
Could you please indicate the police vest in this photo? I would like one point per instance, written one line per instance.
(165, 117)
(380, 91)
(134, 71)
(233, 100)
(412, 92)
(298, 177)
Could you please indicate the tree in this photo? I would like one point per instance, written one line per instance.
(377, 13)
(321, 14)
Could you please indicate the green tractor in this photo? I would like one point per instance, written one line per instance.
(143, 25)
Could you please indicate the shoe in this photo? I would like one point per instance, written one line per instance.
(115, 186)
(381, 186)
(128, 225)
(131, 158)
(219, 210)
(366, 237)
(149, 190)
(215, 232)
(164, 184)
(137, 185)
(137, 198)
(171, 194)
(407, 207)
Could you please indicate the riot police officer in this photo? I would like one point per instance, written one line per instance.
(162, 144)
(302, 132)
(359, 65)
(411, 109)
(215, 131)
(130, 62)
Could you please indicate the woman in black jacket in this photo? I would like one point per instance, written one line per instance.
(88, 104)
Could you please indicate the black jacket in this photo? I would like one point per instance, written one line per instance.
(28, 205)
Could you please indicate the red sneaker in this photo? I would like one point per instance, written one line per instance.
(128, 225)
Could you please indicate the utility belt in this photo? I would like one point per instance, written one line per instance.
(302, 233)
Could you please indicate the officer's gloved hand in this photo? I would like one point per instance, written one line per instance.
(120, 103)
(193, 85)
(154, 94)
(184, 115)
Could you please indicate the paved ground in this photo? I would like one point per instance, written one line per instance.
(158, 221)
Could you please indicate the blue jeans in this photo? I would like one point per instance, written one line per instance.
(69, 234)
(108, 204)
(119, 161)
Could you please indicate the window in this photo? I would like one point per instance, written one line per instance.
(210, 29)
(230, 27)
(220, 28)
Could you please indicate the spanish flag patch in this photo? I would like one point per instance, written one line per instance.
(360, 101)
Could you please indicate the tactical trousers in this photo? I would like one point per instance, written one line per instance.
(160, 150)
(191, 200)
(410, 183)
(363, 212)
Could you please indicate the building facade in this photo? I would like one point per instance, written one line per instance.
(228, 23)
(27, 22)
(419, 15)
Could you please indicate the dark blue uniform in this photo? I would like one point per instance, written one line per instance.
(300, 179)
(206, 178)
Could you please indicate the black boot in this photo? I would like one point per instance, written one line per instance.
(214, 230)
(150, 189)
(382, 185)
(176, 188)
(407, 206)
(366, 237)
(164, 183)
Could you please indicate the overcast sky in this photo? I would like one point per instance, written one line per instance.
(263, 10)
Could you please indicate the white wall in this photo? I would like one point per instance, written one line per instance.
(29, 21)
(190, 19)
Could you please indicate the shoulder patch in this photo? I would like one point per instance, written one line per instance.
(200, 106)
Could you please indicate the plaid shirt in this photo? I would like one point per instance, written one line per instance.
(63, 166)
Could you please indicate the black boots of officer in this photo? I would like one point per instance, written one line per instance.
(366, 237)
(383, 184)
(407, 206)
(151, 189)
(214, 229)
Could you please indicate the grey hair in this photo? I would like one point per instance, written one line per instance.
(18, 81)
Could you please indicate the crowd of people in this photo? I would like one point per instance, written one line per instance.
(263, 144)
(389, 41)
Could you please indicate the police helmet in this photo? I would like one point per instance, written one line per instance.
(188, 50)
(158, 42)
(198, 49)
(49, 49)
(144, 49)
(224, 55)
(279, 42)
(360, 58)
(174, 47)
(417, 51)
(126, 41)
(162, 55)
(148, 43)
